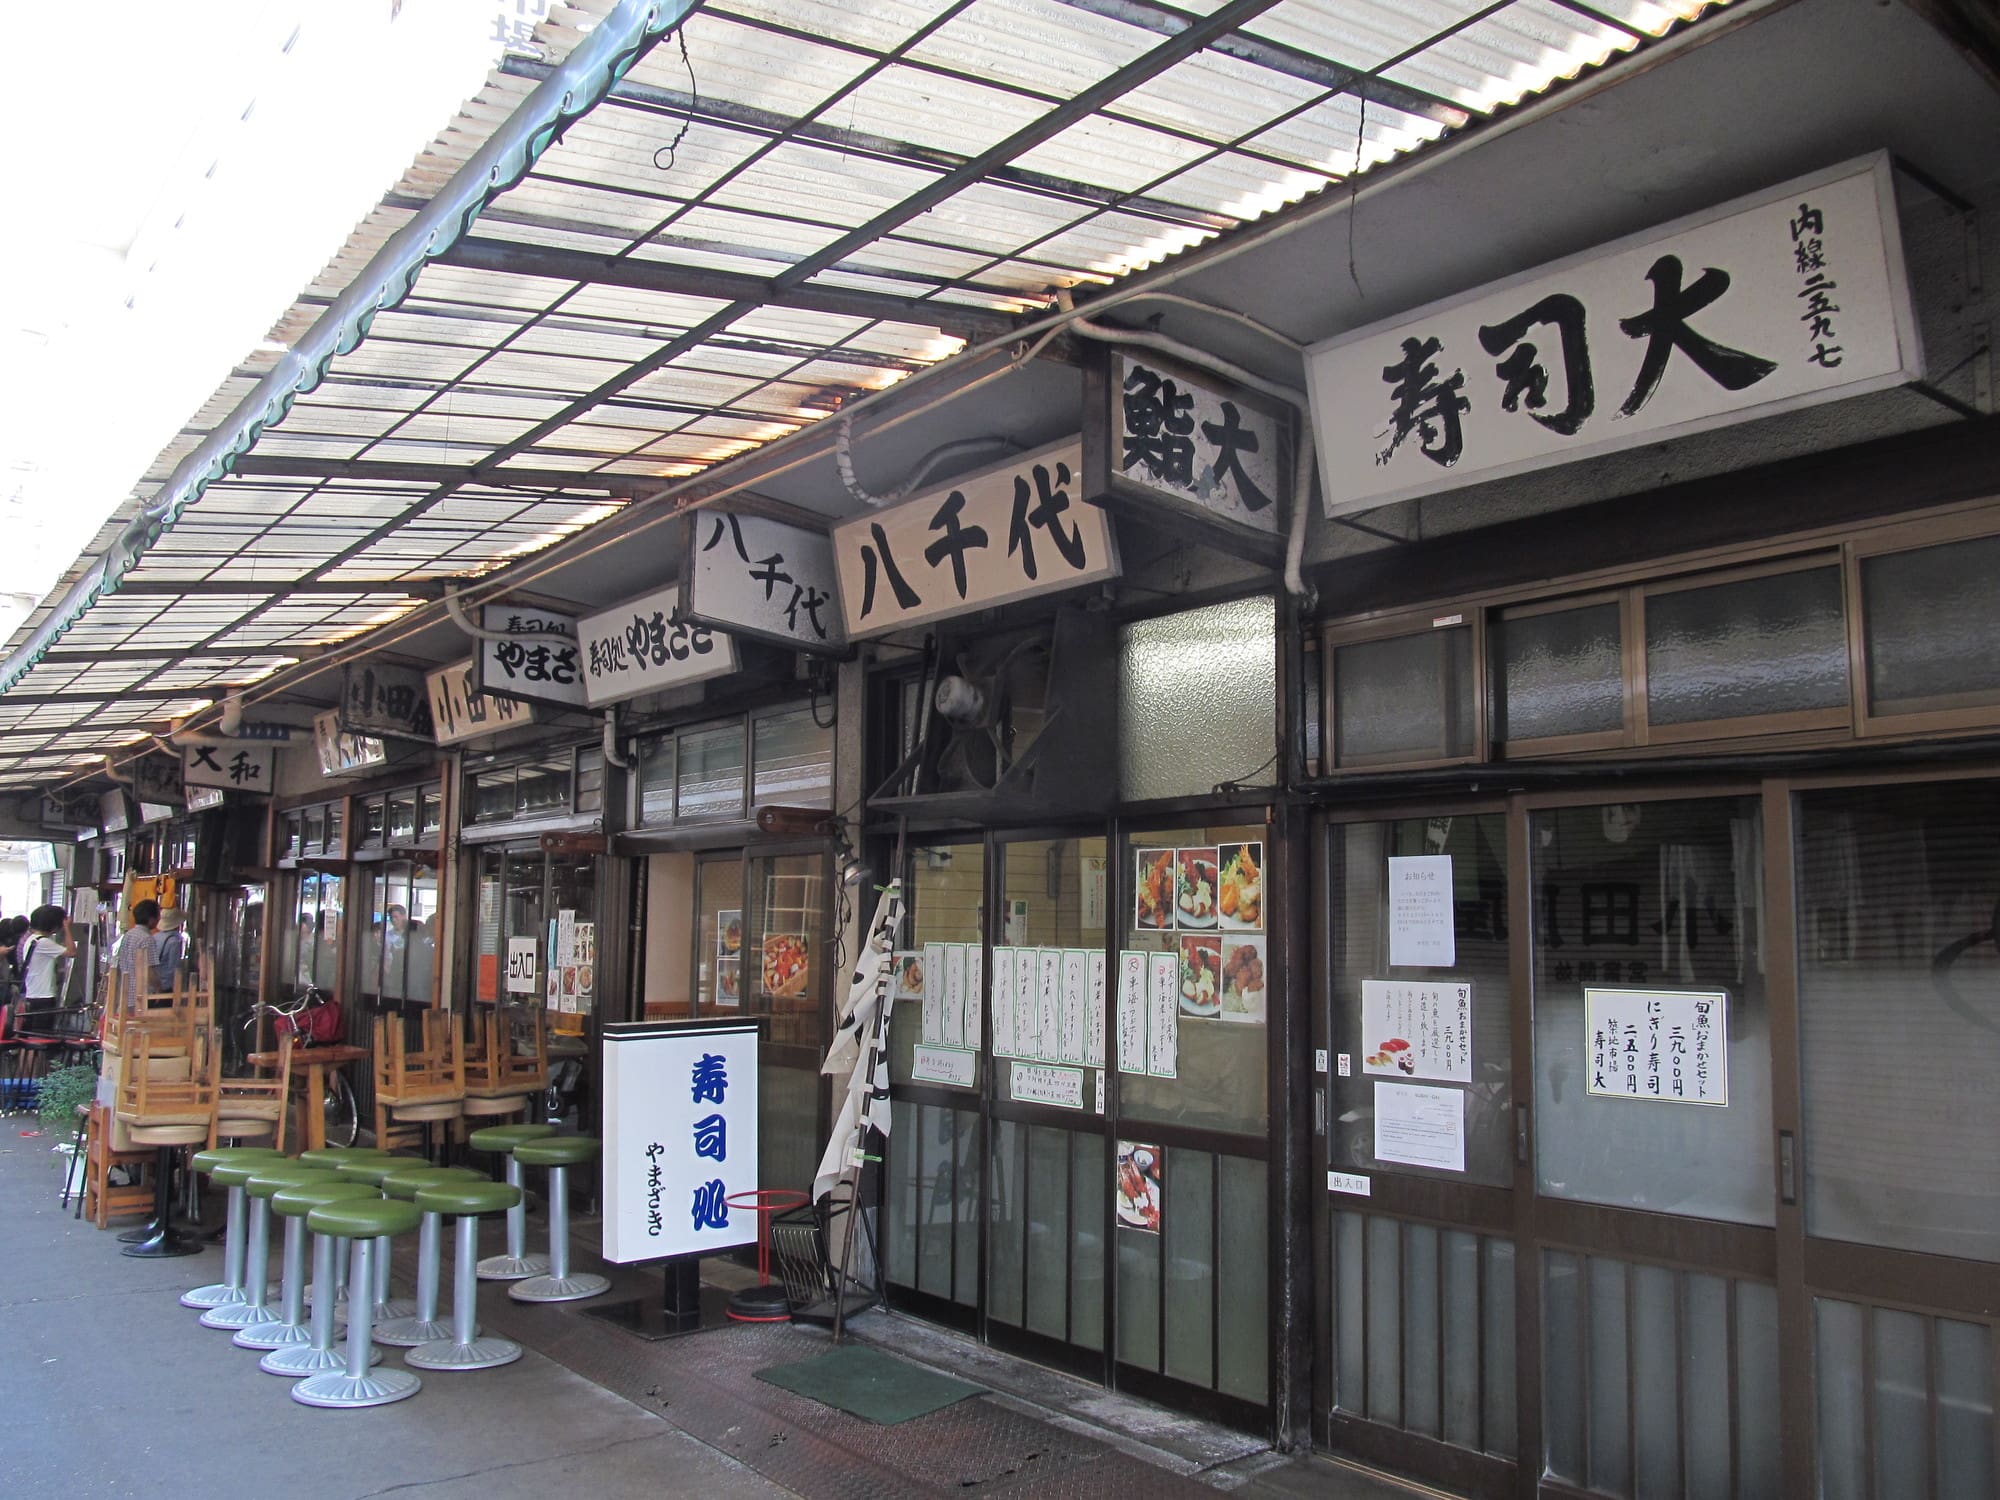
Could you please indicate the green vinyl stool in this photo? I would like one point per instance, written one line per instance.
(334, 1157)
(516, 1264)
(371, 1169)
(368, 1222)
(269, 1329)
(315, 1352)
(234, 1236)
(422, 1327)
(255, 1306)
(465, 1349)
(558, 1153)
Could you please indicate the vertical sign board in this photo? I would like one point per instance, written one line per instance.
(999, 534)
(758, 577)
(538, 662)
(646, 645)
(459, 711)
(383, 699)
(680, 1137)
(1774, 301)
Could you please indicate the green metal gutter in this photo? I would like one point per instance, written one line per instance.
(571, 91)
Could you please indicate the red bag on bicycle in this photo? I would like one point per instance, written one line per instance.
(317, 1025)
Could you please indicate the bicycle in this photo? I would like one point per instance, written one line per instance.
(341, 1111)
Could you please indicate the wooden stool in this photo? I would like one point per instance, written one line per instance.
(103, 1199)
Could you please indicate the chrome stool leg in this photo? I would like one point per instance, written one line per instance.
(230, 1288)
(318, 1355)
(289, 1326)
(357, 1384)
(422, 1327)
(464, 1349)
(516, 1264)
(255, 1306)
(558, 1285)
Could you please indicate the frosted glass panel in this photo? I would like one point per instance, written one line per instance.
(1965, 1408)
(1188, 1227)
(934, 1258)
(1408, 698)
(1138, 1298)
(1197, 700)
(1006, 1234)
(1758, 1422)
(1559, 673)
(1931, 617)
(711, 773)
(1770, 645)
(1385, 1342)
(1350, 1310)
(1048, 1231)
(1242, 1278)
(1562, 1368)
(1461, 1351)
(1501, 1418)
(965, 1135)
(1902, 1417)
(1843, 1424)
(1655, 1412)
(1605, 1388)
(899, 1225)
(794, 755)
(1420, 1329)
(1087, 1180)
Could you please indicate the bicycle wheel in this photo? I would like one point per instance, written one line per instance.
(342, 1113)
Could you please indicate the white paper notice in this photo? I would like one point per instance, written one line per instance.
(1420, 927)
(1050, 1033)
(1027, 1002)
(943, 1065)
(1093, 1010)
(1163, 1019)
(520, 966)
(1667, 1045)
(954, 995)
(975, 995)
(1419, 1126)
(1417, 1029)
(1074, 970)
(1131, 1012)
(1038, 1085)
(1003, 1002)
(933, 1029)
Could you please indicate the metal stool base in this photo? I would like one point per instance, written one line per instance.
(338, 1388)
(512, 1267)
(480, 1354)
(234, 1315)
(219, 1294)
(385, 1312)
(407, 1333)
(165, 1247)
(570, 1288)
(295, 1360)
(272, 1336)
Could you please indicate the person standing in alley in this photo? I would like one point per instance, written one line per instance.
(134, 957)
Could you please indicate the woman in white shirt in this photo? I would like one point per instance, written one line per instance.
(47, 943)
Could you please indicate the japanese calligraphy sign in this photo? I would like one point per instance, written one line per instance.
(459, 711)
(646, 645)
(1671, 1046)
(680, 1137)
(1193, 443)
(380, 698)
(765, 578)
(157, 779)
(340, 751)
(1417, 1029)
(1783, 299)
(239, 768)
(538, 662)
(999, 534)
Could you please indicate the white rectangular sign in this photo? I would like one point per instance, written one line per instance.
(680, 1138)
(1667, 1045)
(459, 711)
(239, 768)
(759, 577)
(1032, 1083)
(1420, 1127)
(1008, 532)
(645, 646)
(943, 1065)
(1420, 911)
(522, 975)
(1781, 299)
(1417, 1029)
(539, 660)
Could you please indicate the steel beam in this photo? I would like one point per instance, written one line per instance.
(281, 466)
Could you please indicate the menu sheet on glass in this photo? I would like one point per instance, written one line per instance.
(1208, 899)
(1048, 1005)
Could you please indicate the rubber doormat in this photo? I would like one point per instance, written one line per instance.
(869, 1384)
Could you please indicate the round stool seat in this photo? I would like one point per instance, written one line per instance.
(463, 1198)
(504, 1138)
(404, 1184)
(364, 1218)
(250, 1125)
(436, 1109)
(494, 1104)
(557, 1151)
(375, 1169)
(222, 1156)
(267, 1180)
(333, 1156)
(298, 1201)
(167, 1135)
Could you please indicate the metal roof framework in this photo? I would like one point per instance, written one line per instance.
(810, 204)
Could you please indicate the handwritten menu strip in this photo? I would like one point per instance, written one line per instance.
(1417, 1029)
(944, 1065)
(1131, 1012)
(954, 995)
(1093, 1019)
(1034, 1084)
(1050, 1000)
(1074, 971)
(975, 996)
(1003, 1002)
(1027, 1003)
(1163, 1020)
(933, 1028)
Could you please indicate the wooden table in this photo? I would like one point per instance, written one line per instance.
(315, 1060)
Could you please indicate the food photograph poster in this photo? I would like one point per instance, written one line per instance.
(1142, 1177)
(1204, 888)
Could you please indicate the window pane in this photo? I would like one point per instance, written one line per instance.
(711, 773)
(590, 781)
(1407, 698)
(1931, 616)
(430, 813)
(794, 760)
(1771, 645)
(947, 892)
(493, 796)
(543, 787)
(656, 781)
(1220, 1039)
(1198, 694)
(1899, 1012)
(1054, 899)
(374, 821)
(786, 968)
(1646, 903)
(720, 936)
(403, 815)
(1560, 673)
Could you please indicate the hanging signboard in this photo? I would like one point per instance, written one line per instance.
(537, 663)
(1008, 532)
(680, 1137)
(1667, 1045)
(230, 767)
(156, 779)
(114, 812)
(1782, 299)
(379, 698)
(764, 578)
(459, 711)
(1174, 439)
(646, 645)
(201, 798)
(341, 752)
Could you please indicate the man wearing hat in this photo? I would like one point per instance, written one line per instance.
(170, 948)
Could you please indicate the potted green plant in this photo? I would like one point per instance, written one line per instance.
(56, 1099)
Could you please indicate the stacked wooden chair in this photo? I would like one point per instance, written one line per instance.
(507, 1064)
(420, 1086)
(255, 1109)
(165, 1100)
